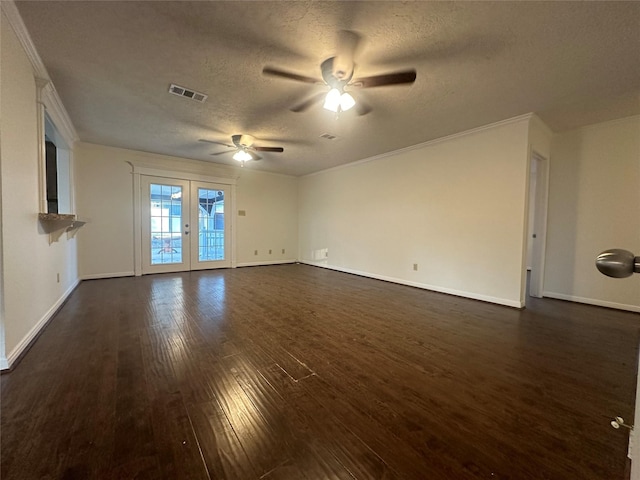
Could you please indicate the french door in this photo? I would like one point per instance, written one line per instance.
(184, 225)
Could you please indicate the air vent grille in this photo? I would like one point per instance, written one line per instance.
(328, 136)
(185, 92)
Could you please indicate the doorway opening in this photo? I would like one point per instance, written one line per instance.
(533, 281)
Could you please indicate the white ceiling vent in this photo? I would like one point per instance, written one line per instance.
(328, 136)
(185, 92)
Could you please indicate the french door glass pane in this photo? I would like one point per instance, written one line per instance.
(166, 224)
(210, 224)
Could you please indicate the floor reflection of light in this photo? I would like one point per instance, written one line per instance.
(256, 433)
(211, 296)
(176, 344)
(166, 302)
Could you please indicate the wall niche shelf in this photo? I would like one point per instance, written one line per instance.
(55, 224)
(56, 217)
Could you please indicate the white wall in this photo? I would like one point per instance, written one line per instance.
(3, 355)
(30, 264)
(270, 204)
(104, 197)
(540, 137)
(594, 205)
(456, 207)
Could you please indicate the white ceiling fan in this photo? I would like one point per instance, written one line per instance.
(337, 74)
(244, 147)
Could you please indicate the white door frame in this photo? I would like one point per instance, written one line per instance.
(145, 169)
(541, 199)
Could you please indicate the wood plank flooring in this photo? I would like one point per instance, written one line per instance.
(296, 372)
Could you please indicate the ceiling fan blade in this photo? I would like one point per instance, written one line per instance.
(236, 140)
(345, 53)
(301, 107)
(221, 153)
(255, 157)
(396, 78)
(291, 76)
(268, 149)
(215, 143)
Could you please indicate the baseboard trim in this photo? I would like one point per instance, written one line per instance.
(434, 288)
(270, 262)
(592, 301)
(25, 344)
(99, 276)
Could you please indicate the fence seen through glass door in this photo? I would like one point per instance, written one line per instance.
(210, 224)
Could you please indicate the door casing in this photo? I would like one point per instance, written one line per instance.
(539, 212)
(175, 172)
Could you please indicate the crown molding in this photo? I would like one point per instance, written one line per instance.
(508, 121)
(607, 123)
(57, 112)
(15, 20)
(50, 96)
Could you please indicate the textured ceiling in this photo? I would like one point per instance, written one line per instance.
(572, 63)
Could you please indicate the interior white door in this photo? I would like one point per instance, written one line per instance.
(184, 225)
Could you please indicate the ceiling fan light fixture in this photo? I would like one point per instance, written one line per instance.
(332, 102)
(242, 156)
(337, 101)
(346, 102)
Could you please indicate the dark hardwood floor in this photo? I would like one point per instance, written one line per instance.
(296, 372)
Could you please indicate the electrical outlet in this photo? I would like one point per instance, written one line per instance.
(269, 251)
(283, 251)
(415, 267)
(255, 252)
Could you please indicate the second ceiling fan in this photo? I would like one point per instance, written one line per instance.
(245, 149)
(337, 73)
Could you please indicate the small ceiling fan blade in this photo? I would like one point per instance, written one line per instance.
(288, 75)
(396, 78)
(268, 149)
(221, 153)
(215, 143)
(301, 107)
(345, 52)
